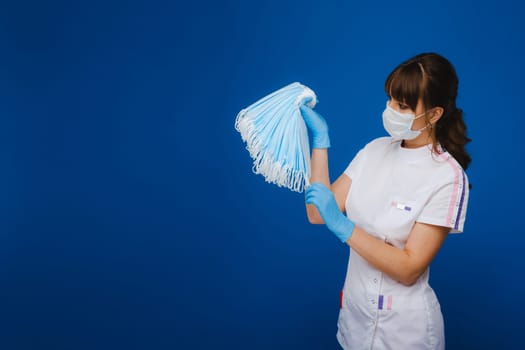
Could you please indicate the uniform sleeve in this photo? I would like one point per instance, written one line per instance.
(448, 205)
(354, 168)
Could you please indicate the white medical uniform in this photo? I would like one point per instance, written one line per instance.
(392, 188)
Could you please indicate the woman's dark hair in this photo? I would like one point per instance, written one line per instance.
(432, 78)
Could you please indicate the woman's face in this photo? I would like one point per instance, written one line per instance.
(404, 108)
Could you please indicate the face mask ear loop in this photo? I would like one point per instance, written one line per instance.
(429, 124)
(419, 116)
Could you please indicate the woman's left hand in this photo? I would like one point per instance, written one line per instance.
(324, 200)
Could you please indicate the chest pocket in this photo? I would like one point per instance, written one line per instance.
(398, 219)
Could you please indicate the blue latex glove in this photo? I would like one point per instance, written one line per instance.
(317, 125)
(324, 200)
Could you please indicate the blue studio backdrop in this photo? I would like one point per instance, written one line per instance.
(131, 218)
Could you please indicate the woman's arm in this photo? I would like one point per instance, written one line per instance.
(319, 162)
(404, 265)
(320, 173)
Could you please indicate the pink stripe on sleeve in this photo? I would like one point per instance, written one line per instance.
(454, 197)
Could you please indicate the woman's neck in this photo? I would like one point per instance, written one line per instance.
(422, 140)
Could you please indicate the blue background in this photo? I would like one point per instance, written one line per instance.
(130, 218)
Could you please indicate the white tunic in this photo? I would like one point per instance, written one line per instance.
(392, 188)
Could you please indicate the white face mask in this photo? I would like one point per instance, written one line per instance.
(399, 125)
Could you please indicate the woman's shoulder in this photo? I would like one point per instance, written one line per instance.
(449, 168)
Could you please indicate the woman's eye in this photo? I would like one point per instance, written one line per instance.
(402, 106)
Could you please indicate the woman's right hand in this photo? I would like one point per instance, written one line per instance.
(318, 126)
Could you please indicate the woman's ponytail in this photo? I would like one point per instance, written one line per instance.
(451, 133)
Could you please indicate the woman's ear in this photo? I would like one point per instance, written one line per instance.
(435, 114)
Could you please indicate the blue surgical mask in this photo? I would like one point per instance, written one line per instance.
(399, 125)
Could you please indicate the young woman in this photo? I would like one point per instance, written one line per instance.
(402, 195)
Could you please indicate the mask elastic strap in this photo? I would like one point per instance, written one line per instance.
(425, 127)
(419, 116)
